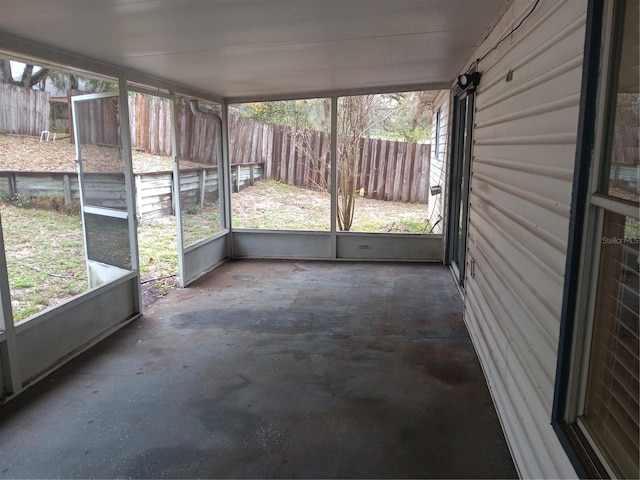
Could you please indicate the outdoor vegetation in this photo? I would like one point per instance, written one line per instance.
(404, 117)
(49, 267)
(274, 205)
(43, 235)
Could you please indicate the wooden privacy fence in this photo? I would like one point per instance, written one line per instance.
(99, 121)
(23, 111)
(150, 125)
(387, 170)
(154, 190)
(626, 149)
(150, 122)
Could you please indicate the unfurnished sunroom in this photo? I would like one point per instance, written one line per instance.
(530, 189)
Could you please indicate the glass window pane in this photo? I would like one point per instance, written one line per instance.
(47, 268)
(612, 406)
(198, 138)
(281, 165)
(99, 130)
(383, 162)
(624, 174)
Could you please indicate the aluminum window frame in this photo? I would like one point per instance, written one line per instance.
(589, 206)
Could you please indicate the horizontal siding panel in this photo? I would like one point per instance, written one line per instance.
(522, 172)
(509, 395)
(535, 62)
(562, 121)
(535, 455)
(551, 106)
(518, 272)
(553, 84)
(531, 214)
(538, 267)
(549, 247)
(547, 190)
(551, 160)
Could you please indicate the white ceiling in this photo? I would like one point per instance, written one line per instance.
(261, 48)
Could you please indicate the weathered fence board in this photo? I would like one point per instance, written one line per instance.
(387, 170)
(154, 195)
(99, 122)
(154, 190)
(23, 111)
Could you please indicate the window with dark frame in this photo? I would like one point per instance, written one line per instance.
(596, 408)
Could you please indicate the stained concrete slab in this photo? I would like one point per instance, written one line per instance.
(271, 369)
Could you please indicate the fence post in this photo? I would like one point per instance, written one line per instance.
(66, 187)
(172, 191)
(234, 178)
(138, 187)
(203, 183)
(11, 178)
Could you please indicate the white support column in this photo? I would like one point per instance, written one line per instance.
(10, 368)
(334, 174)
(125, 135)
(176, 191)
(224, 177)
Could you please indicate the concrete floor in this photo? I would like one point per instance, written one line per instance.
(271, 369)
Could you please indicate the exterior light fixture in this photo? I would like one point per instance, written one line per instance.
(468, 80)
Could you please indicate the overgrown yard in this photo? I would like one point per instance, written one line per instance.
(45, 258)
(23, 153)
(45, 249)
(273, 205)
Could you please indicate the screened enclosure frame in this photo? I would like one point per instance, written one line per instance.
(34, 347)
(196, 259)
(335, 244)
(100, 271)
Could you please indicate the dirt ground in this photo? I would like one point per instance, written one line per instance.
(276, 206)
(24, 153)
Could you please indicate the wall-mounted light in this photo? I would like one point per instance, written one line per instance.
(436, 189)
(469, 80)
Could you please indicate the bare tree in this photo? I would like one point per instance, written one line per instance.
(401, 116)
(358, 117)
(31, 75)
(354, 119)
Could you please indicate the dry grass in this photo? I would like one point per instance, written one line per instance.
(48, 268)
(271, 205)
(23, 153)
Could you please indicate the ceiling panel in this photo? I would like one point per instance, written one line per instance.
(238, 48)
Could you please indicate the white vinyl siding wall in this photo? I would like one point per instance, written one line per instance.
(522, 170)
(438, 167)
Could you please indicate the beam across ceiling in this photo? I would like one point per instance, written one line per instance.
(43, 55)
